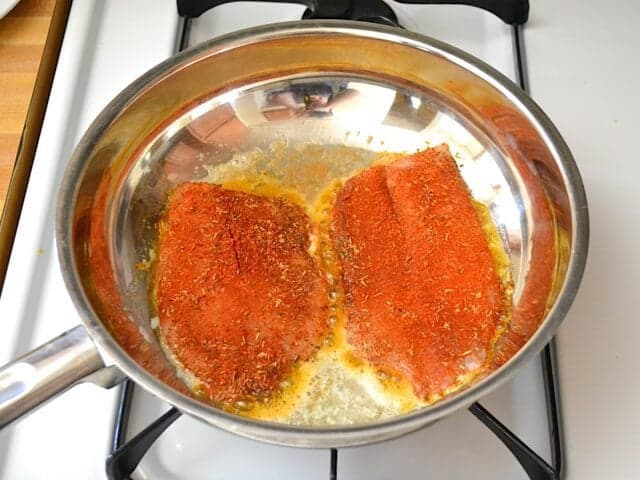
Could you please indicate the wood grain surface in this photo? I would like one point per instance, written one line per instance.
(23, 33)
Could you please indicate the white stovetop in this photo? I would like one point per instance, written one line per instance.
(582, 70)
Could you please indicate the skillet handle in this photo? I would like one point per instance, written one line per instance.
(45, 372)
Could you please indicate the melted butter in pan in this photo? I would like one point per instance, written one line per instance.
(335, 387)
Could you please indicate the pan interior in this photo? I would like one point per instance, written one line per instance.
(306, 131)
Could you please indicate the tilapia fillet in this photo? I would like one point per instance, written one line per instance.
(239, 298)
(422, 295)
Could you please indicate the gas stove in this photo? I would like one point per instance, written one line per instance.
(108, 44)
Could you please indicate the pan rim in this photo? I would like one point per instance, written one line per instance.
(316, 437)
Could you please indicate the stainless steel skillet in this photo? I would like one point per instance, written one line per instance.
(325, 86)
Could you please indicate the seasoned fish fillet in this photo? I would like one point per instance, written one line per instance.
(421, 290)
(239, 298)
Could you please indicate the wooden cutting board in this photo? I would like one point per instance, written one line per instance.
(23, 33)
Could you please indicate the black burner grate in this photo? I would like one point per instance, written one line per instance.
(512, 12)
(126, 456)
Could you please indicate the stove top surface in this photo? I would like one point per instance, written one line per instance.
(108, 44)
